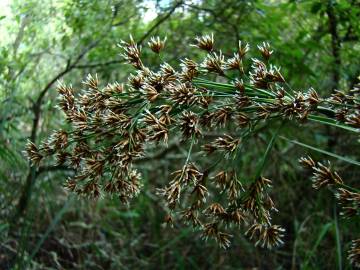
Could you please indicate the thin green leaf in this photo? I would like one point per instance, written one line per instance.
(51, 227)
(262, 162)
(331, 122)
(338, 245)
(248, 89)
(173, 242)
(321, 236)
(345, 159)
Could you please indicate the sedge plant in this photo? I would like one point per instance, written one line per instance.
(113, 127)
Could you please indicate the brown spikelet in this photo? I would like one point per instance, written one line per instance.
(265, 50)
(91, 82)
(33, 153)
(323, 176)
(190, 216)
(267, 236)
(350, 202)
(354, 253)
(243, 49)
(307, 162)
(205, 42)
(353, 119)
(215, 209)
(235, 63)
(214, 63)
(132, 53)
(168, 220)
(189, 125)
(156, 44)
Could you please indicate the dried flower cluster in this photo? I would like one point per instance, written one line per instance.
(113, 125)
(347, 197)
(322, 175)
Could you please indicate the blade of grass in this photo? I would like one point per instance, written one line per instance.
(338, 245)
(248, 88)
(331, 122)
(25, 230)
(184, 233)
(321, 236)
(345, 159)
(214, 84)
(51, 227)
(264, 158)
(11, 157)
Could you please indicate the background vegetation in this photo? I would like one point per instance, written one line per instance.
(42, 41)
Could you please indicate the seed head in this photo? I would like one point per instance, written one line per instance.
(353, 119)
(214, 63)
(205, 42)
(132, 53)
(324, 176)
(91, 82)
(234, 63)
(221, 180)
(307, 162)
(239, 85)
(265, 50)
(267, 236)
(350, 202)
(354, 253)
(156, 44)
(33, 153)
(189, 125)
(189, 216)
(243, 49)
(183, 94)
(215, 209)
(136, 81)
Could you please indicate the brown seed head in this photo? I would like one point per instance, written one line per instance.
(132, 53)
(243, 49)
(234, 63)
(33, 153)
(214, 63)
(324, 176)
(156, 44)
(265, 50)
(354, 253)
(205, 42)
(189, 125)
(307, 162)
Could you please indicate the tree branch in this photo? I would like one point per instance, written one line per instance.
(160, 21)
(44, 169)
(140, 41)
(36, 108)
(335, 44)
(101, 64)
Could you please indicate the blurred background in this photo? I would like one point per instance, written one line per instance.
(316, 43)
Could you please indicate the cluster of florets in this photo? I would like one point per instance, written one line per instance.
(347, 106)
(113, 125)
(347, 197)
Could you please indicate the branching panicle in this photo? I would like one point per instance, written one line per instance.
(114, 127)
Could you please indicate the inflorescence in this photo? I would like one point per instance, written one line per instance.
(113, 125)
